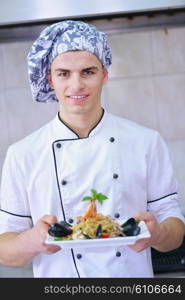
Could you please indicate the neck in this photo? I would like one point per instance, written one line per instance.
(81, 124)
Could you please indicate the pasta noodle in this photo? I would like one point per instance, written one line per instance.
(88, 228)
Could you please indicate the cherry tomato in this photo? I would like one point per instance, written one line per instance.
(104, 235)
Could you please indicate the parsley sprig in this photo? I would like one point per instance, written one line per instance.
(95, 197)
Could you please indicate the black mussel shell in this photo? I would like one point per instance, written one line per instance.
(131, 230)
(98, 231)
(130, 221)
(137, 230)
(64, 223)
(60, 229)
(130, 227)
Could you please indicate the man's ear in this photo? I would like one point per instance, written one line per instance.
(50, 80)
(106, 76)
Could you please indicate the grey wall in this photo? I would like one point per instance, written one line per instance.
(147, 85)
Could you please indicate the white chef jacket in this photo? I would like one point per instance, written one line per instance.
(51, 170)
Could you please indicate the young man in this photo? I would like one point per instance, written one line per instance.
(46, 175)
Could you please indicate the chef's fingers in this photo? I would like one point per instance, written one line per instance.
(49, 249)
(148, 218)
(49, 219)
(153, 227)
(140, 245)
(45, 222)
(143, 215)
(40, 229)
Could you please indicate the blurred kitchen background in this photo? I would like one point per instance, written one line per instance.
(147, 78)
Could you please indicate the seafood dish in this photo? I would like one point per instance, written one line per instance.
(94, 225)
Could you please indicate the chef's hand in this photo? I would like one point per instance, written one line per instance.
(38, 235)
(153, 227)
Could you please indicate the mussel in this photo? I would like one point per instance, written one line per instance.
(60, 229)
(131, 227)
(98, 231)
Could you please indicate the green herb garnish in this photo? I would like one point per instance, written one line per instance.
(95, 197)
(58, 238)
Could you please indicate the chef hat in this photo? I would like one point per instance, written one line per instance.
(59, 38)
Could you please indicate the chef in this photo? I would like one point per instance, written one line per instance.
(46, 174)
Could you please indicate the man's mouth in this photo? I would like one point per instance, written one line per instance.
(77, 98)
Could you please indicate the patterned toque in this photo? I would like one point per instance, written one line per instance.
(59, 38)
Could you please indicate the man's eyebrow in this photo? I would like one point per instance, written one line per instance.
(61, 70)
(92, 68)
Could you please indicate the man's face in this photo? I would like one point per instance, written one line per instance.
(77, 78)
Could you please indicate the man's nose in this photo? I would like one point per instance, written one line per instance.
(77, 83)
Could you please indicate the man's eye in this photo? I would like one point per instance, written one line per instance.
(88, 72)
(62, 74)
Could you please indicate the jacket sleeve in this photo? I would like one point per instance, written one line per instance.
(163, 188)
(14, 208)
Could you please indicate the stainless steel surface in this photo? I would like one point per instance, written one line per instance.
(113, 25)
(25, 11)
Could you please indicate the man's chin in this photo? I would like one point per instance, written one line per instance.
(79, 110)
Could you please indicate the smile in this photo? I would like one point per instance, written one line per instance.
(78, 98)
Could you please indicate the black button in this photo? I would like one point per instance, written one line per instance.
(118, 254)
(70, 221)
(117, 215)
(79, 256)
(64, 182)
(58, 145)
(112, 139)
(115, 176)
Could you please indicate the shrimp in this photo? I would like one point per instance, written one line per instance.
(91, 211)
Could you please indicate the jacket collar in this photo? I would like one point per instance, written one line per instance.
(62, 131)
